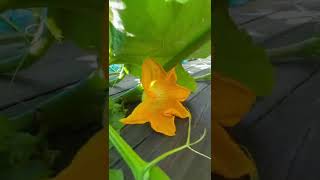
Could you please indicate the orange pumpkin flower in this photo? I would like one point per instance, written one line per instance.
(161, 100)
(90, 162)
(231, 101)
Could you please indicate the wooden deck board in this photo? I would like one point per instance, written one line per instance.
(281, 130)
(54, 71)
(280, 137)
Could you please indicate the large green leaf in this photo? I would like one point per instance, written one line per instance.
(236, 56)
(202, 52)
(167, 31)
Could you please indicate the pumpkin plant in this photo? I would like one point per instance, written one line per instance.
(151, 39)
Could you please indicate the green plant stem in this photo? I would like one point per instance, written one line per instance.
(189, 49)
(187, 145)
(121, 76)
(291, 50)
(133, 160)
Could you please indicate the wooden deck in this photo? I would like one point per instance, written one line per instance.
(282, 130)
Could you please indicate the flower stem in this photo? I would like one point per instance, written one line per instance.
(187, 145)
(304, 48)
(135, 163)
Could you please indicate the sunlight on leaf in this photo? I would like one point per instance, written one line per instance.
(155, 35)
(185, 79)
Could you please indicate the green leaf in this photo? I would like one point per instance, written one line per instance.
(84, 28)
(116, 112)
(6, 128)
(185, 79)
(115, 174)
(33, 169)
(202, 52)
(167, 31)
(236, 56)
(22, 147)
(156, 173)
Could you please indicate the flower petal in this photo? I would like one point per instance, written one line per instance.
(165, 90)
(90, 162)
(139, 115)
(177, 109)
(179, 93)
(228, 158)
(231, 100)
(151, 71)
(163, 124)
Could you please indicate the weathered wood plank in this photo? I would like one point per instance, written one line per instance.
(275, 141)
(57, 69)
(288, 77)
(280, 21)
(279, 131)
(254, 10)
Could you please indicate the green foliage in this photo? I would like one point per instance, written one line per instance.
(311, 49)
(157, 174)
(203, 52)
(20, 154)
(185, 79)
(140, 169)
(236, 56)
(84, 28)
(167, 31)
(116, 112)
(115, 174)
(33, 169)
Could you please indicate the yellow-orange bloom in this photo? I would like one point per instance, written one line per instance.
(231, 101)
(161, 100)
(90, 162)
